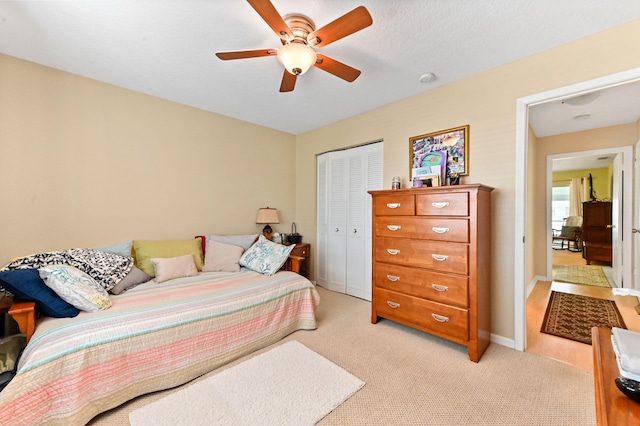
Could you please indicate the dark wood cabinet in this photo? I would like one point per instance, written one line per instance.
(596, 231)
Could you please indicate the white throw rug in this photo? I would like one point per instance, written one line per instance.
(288, 385)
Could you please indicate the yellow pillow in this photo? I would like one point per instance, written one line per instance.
(146, 250)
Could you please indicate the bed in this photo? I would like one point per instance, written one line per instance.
(153, 337)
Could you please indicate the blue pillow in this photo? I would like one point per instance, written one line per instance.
(26, 284)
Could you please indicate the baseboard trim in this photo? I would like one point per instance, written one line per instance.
(503, 341)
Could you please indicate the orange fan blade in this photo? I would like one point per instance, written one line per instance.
(347, 24)
(288, 81)
(246, 54)
(336, 68)
(268, 12)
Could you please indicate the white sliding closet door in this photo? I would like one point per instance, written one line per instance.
(344, 218)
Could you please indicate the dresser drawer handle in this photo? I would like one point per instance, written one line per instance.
(393, 305)
(393, 252)
(440, 204)
(393, 227)
(439, 318)
(393, 278)
(438, 287)
(439, 257)
(393, 205)
(440, 230)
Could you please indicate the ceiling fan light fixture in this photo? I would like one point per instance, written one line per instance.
(297, 58)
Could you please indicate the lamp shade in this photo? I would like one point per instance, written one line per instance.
(297, 58)
(267, 215)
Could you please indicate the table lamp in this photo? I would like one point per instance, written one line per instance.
(267, 215)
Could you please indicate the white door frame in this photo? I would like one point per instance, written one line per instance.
(635, 237)
(622, 194)
(522, 122)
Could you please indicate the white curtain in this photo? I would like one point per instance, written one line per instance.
(578, 193)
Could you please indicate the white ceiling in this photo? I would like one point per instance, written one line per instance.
(165, 48)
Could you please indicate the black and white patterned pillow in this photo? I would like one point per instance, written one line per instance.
(106, 268)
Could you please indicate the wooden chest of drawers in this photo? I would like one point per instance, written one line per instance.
(432, 261)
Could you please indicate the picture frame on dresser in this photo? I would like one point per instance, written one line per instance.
(454, 141)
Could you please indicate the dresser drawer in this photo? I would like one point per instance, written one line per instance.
(436, 229)
(397, 205)
(443, 204)
(439, 256)
(436, 318)
(442, 288)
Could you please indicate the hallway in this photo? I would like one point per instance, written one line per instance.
(565, 350)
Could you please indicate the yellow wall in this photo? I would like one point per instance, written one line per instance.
(601, 180)
(487, 103)
(85, 164)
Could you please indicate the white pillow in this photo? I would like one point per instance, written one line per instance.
(265, 256)
(168, 268)
(221, 257)
(75, 287)
(244, 241)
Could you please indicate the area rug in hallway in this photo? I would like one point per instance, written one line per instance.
(581, 274)
(288, 385)
(572, 316)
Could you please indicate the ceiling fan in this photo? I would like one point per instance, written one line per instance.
(299, 36)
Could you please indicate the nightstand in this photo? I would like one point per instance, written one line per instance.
(302, 250)
(24, 313)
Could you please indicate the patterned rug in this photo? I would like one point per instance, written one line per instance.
(581, 274)
(572, 316)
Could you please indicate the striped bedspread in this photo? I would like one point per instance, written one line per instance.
(154, 337)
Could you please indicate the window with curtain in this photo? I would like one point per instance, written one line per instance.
(577, 195)
(559, 205)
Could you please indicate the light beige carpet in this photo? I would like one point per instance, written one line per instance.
(581, 274)
(414, 378)
(288, 385)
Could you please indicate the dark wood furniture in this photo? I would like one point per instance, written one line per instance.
(24, 313)
(612, 406)
(596, 231)
(432, 262)
(302, 250)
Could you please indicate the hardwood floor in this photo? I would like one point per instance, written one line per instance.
(565, 350)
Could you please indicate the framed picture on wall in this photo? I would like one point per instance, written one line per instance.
(454, 142)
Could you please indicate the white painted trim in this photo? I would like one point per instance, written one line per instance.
(503, 341)
(522, 121)
(533, 283)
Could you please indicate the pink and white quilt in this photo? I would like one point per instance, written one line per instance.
(154, 337)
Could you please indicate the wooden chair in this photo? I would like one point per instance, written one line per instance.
(571, 232)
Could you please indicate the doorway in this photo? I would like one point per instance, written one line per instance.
(607, 164)
(522, 244)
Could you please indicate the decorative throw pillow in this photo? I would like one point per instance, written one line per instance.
(244, 241)
(174, 267)
(133, 278)
(221, 257)
(123, 248)
(265, 256)
(26, 284)
(75, 287)
(105, 268)
(146, 250)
